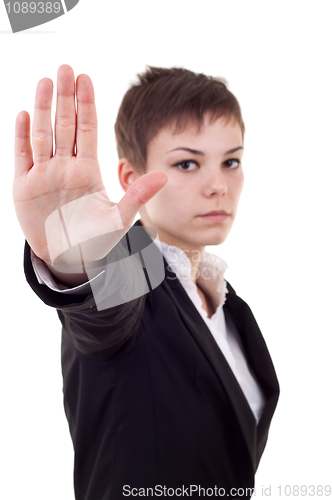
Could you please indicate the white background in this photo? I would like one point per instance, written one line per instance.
(277, 59)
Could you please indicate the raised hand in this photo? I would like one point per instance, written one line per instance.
(51, 189)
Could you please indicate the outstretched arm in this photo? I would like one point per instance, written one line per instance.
(59, 196)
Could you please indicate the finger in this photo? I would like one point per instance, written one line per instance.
(65, 121)
(143, 189)
(86, 129)
(42, 140)
(23, 149)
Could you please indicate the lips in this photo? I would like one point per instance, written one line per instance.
(215, 212)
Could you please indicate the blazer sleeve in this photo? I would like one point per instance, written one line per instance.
(99, 333)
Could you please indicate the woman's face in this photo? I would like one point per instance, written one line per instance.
(207, 178)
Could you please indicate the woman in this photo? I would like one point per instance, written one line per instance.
(171, 391)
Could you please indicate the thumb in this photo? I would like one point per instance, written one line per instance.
(143, 189)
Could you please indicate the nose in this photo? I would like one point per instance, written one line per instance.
(216, 183)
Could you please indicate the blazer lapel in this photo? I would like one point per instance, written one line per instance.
(259, 359)
(255, 347)
(202, 335)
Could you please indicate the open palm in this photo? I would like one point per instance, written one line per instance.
(45, 180)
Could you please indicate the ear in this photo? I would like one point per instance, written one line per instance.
(127, 174)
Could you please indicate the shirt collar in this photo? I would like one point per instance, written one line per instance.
(210, 273)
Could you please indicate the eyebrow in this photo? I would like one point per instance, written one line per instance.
(196, 152)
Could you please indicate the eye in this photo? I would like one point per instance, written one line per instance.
(232, 163)
(185, 163)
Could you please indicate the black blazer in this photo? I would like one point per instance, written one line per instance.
(150, 399)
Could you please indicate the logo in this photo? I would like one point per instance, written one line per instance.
(132, 268)
(25, 15)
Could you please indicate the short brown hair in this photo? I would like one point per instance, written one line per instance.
(166, 95)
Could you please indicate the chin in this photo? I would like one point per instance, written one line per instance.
(212, 240)
(218, 234)
(217, 241)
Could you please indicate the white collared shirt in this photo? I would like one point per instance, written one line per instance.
(210, 278)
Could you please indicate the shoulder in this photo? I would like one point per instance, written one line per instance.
(236, 303)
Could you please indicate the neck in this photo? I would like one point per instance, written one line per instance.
(194, 257)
